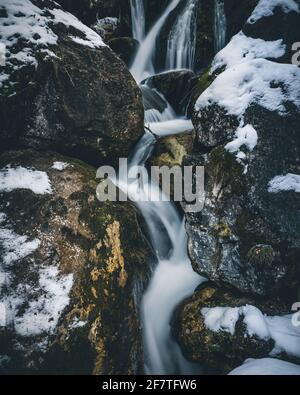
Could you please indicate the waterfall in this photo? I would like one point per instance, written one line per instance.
(138, 19)
(173, 278)
(181, 45)
(220, 25)
(143, 64)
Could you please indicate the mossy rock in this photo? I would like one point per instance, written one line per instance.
(96, 248)
(221, 350)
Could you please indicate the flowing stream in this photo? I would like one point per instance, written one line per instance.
(173, 278)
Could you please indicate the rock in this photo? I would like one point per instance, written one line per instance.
(68, 268)
(88, 11)
(65, 100)
(154, 104)
(176, 86)
(170, 151)
(246, 235)
(237, 14)
(241, 214)
(125, 48)
(221, 351)
(108, 28)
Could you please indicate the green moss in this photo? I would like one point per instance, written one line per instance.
(261, 254)
(222, 230)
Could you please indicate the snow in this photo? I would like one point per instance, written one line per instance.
(23, 178)
(34, 305)
(266, 367)
(258, 81)
(91, 37)
(60, 166)
(42, 314)
(242, 49)
(26, 20)
(32, 29)
(279, 328)
(245, 136)
(14, 246)
(225, 318)
(266, 8)
(289, 182)
(221, 318)
(285, 334)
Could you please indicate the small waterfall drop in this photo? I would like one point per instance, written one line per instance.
(143, 64)
(138, 19)
(181, 43)
(220, 25)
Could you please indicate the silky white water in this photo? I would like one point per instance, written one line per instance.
(181, 45)
(143, 64)
(138, 19)
(220, 25)
(173, 278)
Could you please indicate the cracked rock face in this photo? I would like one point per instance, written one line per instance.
(71, 269)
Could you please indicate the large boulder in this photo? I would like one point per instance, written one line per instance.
(70, 271)
(247, 235)
(220, 329)
(58, 88)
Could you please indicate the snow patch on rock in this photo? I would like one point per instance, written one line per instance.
(245, 137)
(31, 30)
(289, 182)
(23, 178)
(270, 85)
(266, 8)
(42, 313)
(242, 49)
(280, 329)
(60, 166)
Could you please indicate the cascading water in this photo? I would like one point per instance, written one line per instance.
(181, 43)
(173, 278)
(143, 64)
(220, 25)
(138, 19)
